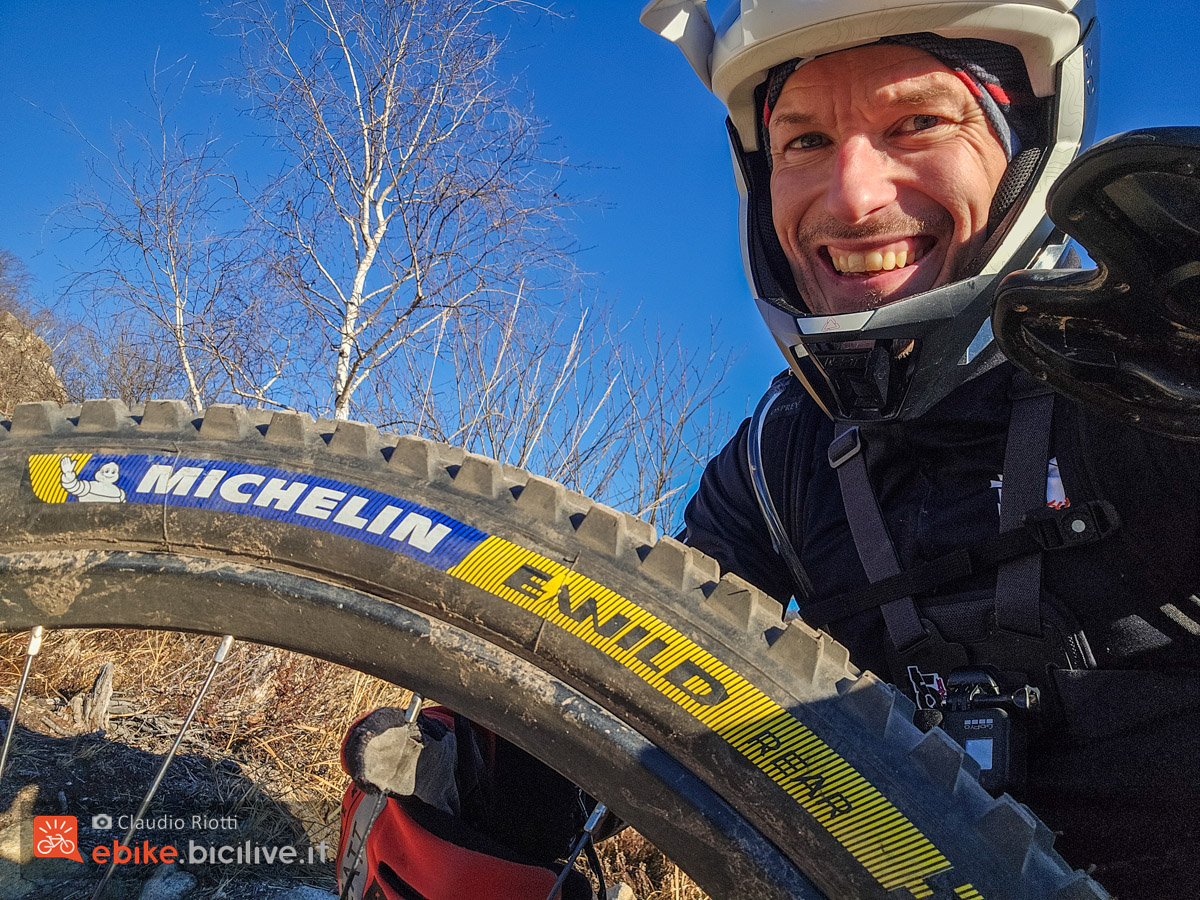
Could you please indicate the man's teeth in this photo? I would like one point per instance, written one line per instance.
(873, 261)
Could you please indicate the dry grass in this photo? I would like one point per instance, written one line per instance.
(277, 716)
(631, 858)
(265, 706)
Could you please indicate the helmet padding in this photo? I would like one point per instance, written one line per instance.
(994, 73)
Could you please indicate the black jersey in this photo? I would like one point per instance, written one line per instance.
(1130, 728)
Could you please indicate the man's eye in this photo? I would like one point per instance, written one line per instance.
(810, 141)
(922, 122)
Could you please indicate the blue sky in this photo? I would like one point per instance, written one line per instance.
(660, 233)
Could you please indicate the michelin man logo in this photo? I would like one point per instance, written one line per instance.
(101, 489)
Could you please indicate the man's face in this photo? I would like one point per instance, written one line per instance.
(884, 168)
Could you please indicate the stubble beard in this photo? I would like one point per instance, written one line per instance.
(817, 234)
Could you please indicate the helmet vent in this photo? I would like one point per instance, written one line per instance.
(1015, 182)
(1012, 184)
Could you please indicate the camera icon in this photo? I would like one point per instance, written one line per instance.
(102, 822)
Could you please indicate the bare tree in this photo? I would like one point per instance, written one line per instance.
(668, 424)
(112, 356)
(411, 183)
(574, 393)
(176, 275)
(405, 265)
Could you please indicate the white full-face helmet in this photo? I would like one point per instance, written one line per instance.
(896, 361)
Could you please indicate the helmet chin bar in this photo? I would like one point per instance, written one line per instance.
(860, 380)
(874, 366)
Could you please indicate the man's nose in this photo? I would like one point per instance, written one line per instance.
(861, 182)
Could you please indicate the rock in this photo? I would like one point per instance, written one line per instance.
(620, 891)
(50, 871)
(25, 370)
(16, 827)
(11, 882)
(20, 871)
(168, 883)
(305, 892)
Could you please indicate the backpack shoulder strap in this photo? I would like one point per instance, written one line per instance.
(875, 549)
(1026, 458)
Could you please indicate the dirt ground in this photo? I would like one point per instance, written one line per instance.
(206, 801)
(258, 768)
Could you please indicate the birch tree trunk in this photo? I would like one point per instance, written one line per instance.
(412, 187)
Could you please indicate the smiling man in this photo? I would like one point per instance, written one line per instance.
(893, 160)
(884, 166)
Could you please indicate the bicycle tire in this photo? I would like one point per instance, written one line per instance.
(755, 755)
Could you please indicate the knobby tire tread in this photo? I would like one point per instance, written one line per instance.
(837, 743)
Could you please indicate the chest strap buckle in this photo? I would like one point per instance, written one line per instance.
(845, 447)
(1058, 529)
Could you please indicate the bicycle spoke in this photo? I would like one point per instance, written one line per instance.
(588, 829)
(410, 716)
(35, 645)
(218, 658)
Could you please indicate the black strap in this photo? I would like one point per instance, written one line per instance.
(779, 539)
(1019, 581)
(847, 455)
(471, 773)
(1043, 530)
(593, 859)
